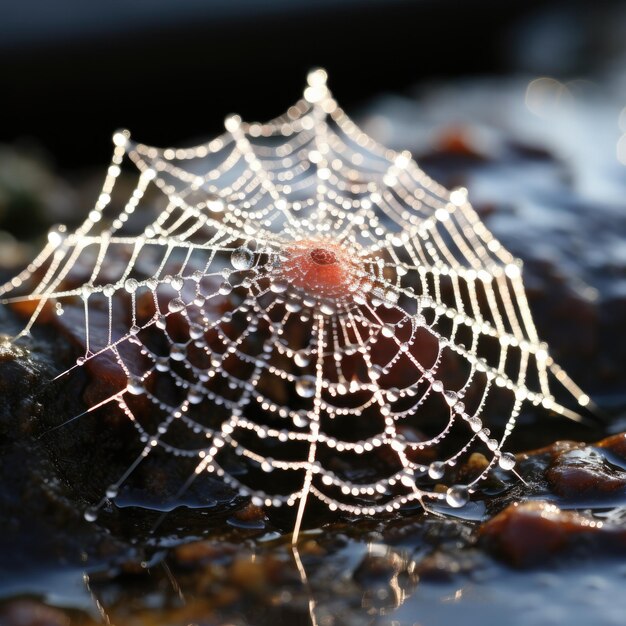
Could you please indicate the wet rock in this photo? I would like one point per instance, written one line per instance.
(585, 473)
(534, 532)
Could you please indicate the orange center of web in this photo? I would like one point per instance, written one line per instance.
(321, 268)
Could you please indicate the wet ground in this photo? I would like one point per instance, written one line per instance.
(541, 163)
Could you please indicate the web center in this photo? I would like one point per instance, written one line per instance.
(323, 256)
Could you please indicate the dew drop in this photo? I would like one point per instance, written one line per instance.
(178, 352)
(301, 358)
(457, 496)
(279, 286)
(108, 290)
(407, 478)
(80, 361)
(451, 397)
(507, 461)
(475, 423)
(135, 386)
(134, 329)
(305, 386)
(196, 331)
(267, 465)
(195, 396)
(388, 330)
(131, 285)
(175, 305)
(436, 470)
(225, 288)
(328, 308)
(437, 386)
(301, 419)
(91, 514)
(112, 491)
(242, 258)
(161, 322)
(177, 283)
(391, 297)
(162, 364)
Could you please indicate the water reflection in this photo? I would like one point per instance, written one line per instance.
(323, 583)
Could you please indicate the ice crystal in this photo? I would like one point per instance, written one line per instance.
(298, 298)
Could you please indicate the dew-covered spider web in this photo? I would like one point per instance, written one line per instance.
(293, 298)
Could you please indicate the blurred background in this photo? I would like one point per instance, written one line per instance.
(523, 102)
(74, 71)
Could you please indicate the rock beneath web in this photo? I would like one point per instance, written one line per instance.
(530, 533)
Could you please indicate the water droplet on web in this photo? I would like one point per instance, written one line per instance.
(91, 514)
(475, 423)
(175, 305)
(305, 386)
(195, 395)
(134, 329)
(178, 352)
(267, 465)
(112, 491)
(135, 386)
(391, 297)
(407, 478)
(388, 330)
(293, 306)
(225, 288)
(131, 285)
(507, 461)
(436, 470)
(327, 308)
(457, 496)
(80, 361)
(177, 283)
(451, 397)
(161, 322)
(242, 258)
(301, 419)
(279, 285)
(302, 358)
(196, 331)
(437, 386)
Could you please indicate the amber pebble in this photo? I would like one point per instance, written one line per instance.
(584, 473)
(250, 513)
(615, 444)
(199, 552)
(533, 532)
(247, 573)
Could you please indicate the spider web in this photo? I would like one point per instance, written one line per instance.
(293, 298)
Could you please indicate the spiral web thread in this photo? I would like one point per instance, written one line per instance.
(294, 298)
